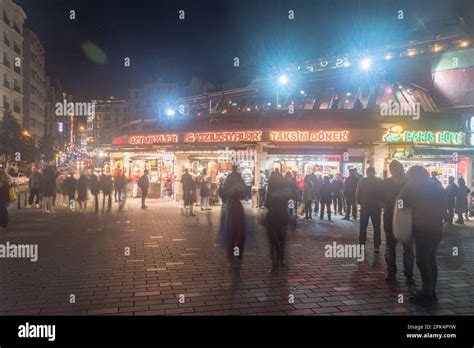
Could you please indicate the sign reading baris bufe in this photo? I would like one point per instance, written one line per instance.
(311, 136)
(222, 137)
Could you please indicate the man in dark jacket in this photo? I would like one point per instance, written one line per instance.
(106, 185)
(34, 185)
(189, 191)
(277, 217)
(369, 195)
(425, 198)
(70, 187)
(338, 186)
(144, 184)
(95, 189)
(325, 198)
(391, 189)
(350, 187)
(451, 190)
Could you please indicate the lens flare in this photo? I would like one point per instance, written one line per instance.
(94, 52)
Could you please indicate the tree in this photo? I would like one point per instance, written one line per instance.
(14, 145)
(47, 150)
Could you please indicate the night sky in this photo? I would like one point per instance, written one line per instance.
(214, 32)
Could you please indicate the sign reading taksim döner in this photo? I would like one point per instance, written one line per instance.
(153, 139)
(315, 136)
(397, 134)
(218, 137)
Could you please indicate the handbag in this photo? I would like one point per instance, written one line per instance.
(11, 195)
(402, 222)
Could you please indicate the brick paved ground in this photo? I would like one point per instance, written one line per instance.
(172, 254)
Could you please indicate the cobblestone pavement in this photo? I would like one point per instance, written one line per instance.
(172, 254)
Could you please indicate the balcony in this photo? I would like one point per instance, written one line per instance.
(6, 83)
(17, 69)
(6, 41)
(16, 108)
(6, 62)
(16, 49)
(17, 88)
(6, 19)
(6, 105)
(16, 28)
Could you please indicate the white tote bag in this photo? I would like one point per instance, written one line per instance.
(402, 223)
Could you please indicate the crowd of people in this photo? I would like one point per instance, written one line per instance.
(285, 197)
(49, 186)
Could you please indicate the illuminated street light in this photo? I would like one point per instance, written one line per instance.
(26, 133)
(283, 80)
(170, 112)
(365, 64)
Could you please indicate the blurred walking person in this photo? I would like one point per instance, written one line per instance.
(34, 185)
(262, 190)
(60, 187)
(308, 197)
(425, 197)
(121, 187)
(95, 189)
(189, 191)
(233, 219)
(338, 187)
(48, 189)
(350, 187)
(83, 191)
(451, 192)
(461, 200)
(70, 187)
(277, 218)
(205, 190)
(144, 184)
(5, 185)
(369, 195)
(391, 189)
(106, 185)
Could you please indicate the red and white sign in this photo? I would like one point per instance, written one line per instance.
(222, 137)
(317, 136)
(153, 139)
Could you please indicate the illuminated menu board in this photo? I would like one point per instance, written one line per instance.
(311, 136)
(222, 137)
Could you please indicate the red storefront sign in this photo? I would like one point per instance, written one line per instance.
(218, 137)
(153, 139)
(317, 136)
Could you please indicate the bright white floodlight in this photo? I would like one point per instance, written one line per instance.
(170, 112)
(366, 64)
(283, 80)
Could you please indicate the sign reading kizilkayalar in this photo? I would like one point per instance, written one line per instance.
(316, 136)
(218, 137)
(397, 134)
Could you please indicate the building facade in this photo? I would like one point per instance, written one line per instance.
(110, 114)
(12, 18)
(34, 82)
